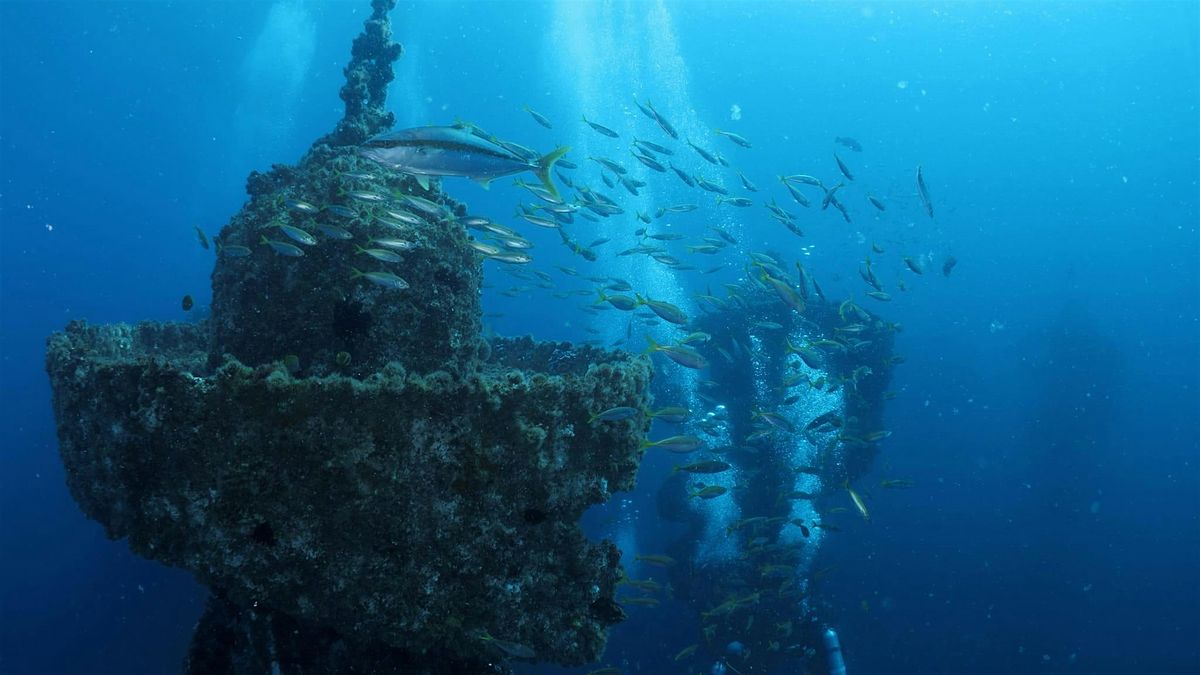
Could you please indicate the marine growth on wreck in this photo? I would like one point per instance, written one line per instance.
(368, 480)
(342, 456)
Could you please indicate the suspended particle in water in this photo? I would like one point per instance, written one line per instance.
(735, 112)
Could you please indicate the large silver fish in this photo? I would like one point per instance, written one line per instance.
(450, 151)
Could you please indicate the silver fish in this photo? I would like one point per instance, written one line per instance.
(448, 151)
(297, 234)
(924, 192)
(385, 279)
(283, 248)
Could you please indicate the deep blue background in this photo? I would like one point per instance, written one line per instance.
(1049, 402)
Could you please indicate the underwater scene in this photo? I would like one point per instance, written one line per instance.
(599, 337)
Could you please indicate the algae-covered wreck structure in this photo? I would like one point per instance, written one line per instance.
(363, 482)
(794, 427)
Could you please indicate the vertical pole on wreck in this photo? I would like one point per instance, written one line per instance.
(367, 77)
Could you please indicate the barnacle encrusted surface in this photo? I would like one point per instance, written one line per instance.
(358, 476)
(412, 509)
(267, 306)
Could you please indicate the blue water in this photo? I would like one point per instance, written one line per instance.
(1048, 404)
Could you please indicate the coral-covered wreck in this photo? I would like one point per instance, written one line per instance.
(364, 483)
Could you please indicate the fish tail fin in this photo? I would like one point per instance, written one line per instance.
(355, 273)
(357, 250)
(546, 163)
(264, 240)
(791, 348)
(653, 345)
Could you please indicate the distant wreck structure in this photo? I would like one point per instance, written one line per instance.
(795, 406)
(363, 482)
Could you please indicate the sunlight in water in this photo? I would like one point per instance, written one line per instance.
(273, 75)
